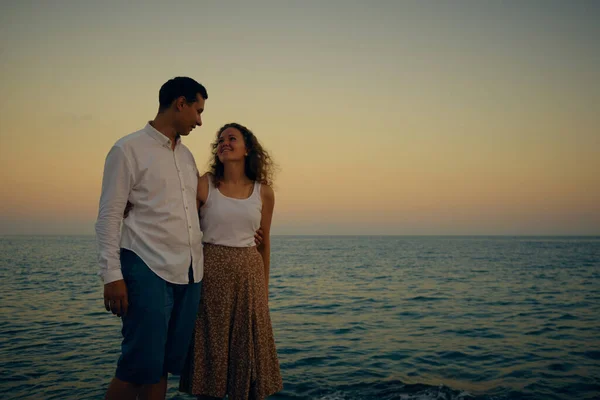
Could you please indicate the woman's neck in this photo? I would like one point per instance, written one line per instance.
(234, 173)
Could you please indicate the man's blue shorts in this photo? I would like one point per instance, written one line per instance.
(159, 324)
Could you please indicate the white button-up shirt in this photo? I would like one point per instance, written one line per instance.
(163, 228)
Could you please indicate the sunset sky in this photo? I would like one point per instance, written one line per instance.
(385, 117)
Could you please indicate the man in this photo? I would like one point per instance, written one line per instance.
(152, 267)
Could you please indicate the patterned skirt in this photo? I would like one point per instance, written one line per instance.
(233, 350)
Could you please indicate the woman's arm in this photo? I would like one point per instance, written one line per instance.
(202, 192)
(268, 204)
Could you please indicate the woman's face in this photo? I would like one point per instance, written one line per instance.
(231, 145)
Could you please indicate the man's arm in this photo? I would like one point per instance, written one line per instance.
(116, 185)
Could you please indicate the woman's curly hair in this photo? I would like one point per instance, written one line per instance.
(258, 164)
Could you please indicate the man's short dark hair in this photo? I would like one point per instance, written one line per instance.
(177, 87)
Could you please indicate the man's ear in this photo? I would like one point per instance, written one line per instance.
(179, 102)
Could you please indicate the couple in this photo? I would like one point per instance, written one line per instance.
(155, 266)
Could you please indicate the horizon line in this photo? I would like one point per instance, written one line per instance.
(349, 235)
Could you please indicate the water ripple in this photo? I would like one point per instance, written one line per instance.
(354, 318)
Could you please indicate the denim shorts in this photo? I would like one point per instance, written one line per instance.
(159, 324)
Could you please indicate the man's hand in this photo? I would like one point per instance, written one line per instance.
(115, 298)
(258, 238)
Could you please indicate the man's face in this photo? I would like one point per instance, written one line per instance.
(190, 114)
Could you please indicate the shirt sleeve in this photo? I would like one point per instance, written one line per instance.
(117, 182)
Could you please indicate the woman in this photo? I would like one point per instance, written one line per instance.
(233, 351)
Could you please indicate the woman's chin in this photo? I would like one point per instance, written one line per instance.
(227, 158)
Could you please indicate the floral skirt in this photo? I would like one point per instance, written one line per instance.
(233, 350)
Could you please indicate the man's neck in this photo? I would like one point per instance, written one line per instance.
(165, 127)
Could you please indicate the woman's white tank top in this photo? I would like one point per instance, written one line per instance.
(230, 222)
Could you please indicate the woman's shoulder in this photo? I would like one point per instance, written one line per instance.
(205, 180)
(266, 191)
(205, 177)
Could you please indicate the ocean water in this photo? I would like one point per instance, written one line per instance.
(354, 318)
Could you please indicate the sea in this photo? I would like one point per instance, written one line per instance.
(354, 317)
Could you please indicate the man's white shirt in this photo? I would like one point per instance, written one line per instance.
(163, 227)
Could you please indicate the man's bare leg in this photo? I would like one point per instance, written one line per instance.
(121, 390)
(157, 391)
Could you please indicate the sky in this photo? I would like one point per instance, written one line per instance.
(384, 117)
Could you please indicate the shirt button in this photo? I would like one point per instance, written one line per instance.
(183, 189)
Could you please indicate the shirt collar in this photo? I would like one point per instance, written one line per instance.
(162, 139)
